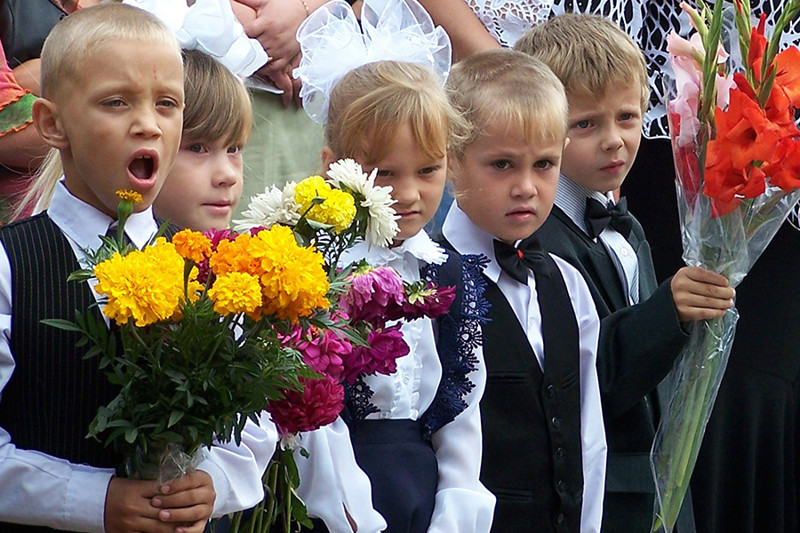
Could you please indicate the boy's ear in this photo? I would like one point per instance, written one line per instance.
(327, 157)
(48, 123)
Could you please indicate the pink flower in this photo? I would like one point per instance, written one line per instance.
(215, 236)
(686, 57)
(385, 347)
(319, 403)
(425, 299)
(374, 292)
(324, 353)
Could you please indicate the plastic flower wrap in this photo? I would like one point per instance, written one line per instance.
(194, 360)
(737, 158)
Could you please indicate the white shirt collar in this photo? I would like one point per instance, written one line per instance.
(467, 238)
(571, 198)
(84, 224)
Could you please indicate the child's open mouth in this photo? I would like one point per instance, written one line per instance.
(143, 168)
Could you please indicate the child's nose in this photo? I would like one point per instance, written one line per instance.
(404, 191)
(612, 140)
(146, 124)
(525, 185)
(226, 173)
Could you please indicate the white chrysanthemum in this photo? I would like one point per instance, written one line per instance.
(382, 225)
(274, 206)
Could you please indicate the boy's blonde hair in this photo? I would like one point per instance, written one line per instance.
(588, 53)
(371, 102)
(511, 88)
(76, 35)
(216, 103)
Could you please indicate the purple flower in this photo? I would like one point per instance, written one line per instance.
(425, 299)
(374, 293)
(386, 345)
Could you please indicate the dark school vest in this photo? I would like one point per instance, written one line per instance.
(53, 393)
(531, 420)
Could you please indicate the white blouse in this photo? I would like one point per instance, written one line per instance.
(331, 481)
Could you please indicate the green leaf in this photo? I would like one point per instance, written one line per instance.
(131, 434)
(174, 418)
(66, 325)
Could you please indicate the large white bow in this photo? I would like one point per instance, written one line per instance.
(332, 43)
(209, 26)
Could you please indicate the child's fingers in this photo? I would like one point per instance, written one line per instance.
(197, 527)
(186, 498)
(186, 515)
(702, 275)
(192, 481)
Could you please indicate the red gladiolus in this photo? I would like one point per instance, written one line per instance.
(784, 170)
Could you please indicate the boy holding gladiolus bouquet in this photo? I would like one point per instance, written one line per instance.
(737, 156)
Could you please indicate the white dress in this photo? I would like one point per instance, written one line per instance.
(330, 478)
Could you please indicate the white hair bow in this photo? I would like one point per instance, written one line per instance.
(209, 26)
(332, 43)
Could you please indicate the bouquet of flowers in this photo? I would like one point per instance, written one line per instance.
(737, 157)
(352, 339)
(194, 347)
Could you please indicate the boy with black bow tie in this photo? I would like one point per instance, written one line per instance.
(605, 78)
(544, 449)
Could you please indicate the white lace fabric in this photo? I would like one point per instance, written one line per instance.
(648, 22)
(508, 20)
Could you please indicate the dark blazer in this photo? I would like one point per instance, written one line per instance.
(637, 348)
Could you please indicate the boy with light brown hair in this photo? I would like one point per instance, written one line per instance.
(605, 78)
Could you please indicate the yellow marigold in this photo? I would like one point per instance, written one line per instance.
(337, 209)
(130, 196)
(192, 245)
(146, 285)
(234, 293)
(232, 256)
(293, 279)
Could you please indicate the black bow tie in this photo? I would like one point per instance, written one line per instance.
(598, 217)
(517, 261)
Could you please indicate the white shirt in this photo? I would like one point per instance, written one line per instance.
(571, 198)
(39, 489)
(467, 238)
(330, 478)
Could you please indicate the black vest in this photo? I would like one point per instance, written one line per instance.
(531, 420)
(53, 393)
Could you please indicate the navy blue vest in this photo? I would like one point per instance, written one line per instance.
(531, 420)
